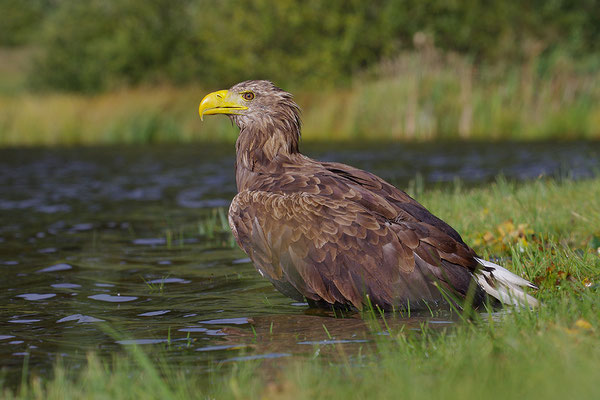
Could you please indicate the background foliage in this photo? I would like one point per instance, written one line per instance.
(96, 45)
(108, 71)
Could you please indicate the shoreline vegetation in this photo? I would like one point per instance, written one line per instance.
(420, 95)
(128, 71)
(546, 230)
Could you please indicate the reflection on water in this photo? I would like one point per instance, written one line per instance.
(126, 237)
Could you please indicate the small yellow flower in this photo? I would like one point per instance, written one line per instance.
(583, 325)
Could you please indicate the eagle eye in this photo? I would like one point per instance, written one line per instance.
(248, 96)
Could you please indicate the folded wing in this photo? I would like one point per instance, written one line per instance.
(337, 250)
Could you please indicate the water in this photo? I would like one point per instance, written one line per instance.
(129, 239)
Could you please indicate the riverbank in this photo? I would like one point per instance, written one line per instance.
(419, 96)
(545, 230)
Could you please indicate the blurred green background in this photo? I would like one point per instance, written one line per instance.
(104, 71)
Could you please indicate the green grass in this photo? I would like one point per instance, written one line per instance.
(420, 96)
(553, 238)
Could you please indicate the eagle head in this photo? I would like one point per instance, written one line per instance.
(254, 104)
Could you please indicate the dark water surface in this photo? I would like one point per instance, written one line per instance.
(131, 237)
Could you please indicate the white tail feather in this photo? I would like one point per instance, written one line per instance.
(503, 285)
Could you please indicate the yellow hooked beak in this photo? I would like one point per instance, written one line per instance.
(219, 102)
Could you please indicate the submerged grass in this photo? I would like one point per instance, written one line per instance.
(423, 95)
(549, 353)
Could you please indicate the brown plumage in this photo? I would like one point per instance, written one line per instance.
(333, 234)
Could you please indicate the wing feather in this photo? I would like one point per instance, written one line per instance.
(337, 250)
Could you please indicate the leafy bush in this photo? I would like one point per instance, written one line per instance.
(19, 19)
(99, 44)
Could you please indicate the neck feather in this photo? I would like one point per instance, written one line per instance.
(262, 145)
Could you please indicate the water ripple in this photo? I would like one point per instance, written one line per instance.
(154, 313)
(112, 299)
(36, 296)
(80, 319)
(56, 268)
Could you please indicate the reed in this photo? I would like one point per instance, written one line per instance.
(421, 95)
